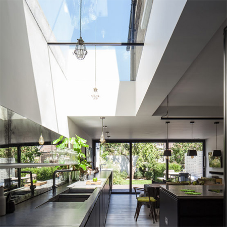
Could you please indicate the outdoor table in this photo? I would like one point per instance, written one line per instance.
(175, 175)
(23, 179)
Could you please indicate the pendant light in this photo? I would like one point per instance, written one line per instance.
(80, 50)
(216, 153)
(192, 153)
(107, 135)
(41, 139)
(95, 94)
(167, 152)
(102, 138)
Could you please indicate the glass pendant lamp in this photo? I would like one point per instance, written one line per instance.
(192, 152)
(102, 138)
(167, 152)
(80, 50)
(95, 94)
(216, 153)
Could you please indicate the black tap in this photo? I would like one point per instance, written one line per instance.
(61, 171)
(32, 187)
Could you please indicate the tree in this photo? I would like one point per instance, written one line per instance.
(180, 149)
(145, 155)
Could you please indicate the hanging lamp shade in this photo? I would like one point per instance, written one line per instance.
(167, 152)
(192, 153)
(216, 153)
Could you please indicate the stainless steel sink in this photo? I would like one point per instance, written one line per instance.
(73, 195)
(70, 198)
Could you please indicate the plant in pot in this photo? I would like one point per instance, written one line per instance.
(78, 143)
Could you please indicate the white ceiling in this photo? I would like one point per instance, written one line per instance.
(190, 71)
(145, 127)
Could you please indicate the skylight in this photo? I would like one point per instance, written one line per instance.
(102, 21)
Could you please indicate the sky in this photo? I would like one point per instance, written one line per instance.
(102, 21)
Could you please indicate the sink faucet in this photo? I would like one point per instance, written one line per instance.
(32, 187)
(60, 171)
(101, 166)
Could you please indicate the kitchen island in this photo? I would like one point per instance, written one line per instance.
(177, 208)
(44, 210)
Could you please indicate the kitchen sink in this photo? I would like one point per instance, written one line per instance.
(73, 195)
(70, 198)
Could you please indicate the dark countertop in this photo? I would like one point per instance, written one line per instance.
(53, 213)
(204, 189)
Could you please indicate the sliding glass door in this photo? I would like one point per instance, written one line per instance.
(137, 163)
(115, 156)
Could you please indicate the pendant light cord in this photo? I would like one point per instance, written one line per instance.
(216, 136)
(167, 146)
(95, 66)
(80, 16)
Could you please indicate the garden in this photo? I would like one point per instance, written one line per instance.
(148, 163)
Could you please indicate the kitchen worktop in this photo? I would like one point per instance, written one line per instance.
(203, 189)
(38, 212)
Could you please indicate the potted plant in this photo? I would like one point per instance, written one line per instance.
(77, 143)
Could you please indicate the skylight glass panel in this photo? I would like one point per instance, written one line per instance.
(101, 20)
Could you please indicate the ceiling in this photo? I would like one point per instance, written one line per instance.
(190, 72)
(145, 127)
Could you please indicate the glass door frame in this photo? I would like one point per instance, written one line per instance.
(203, 141)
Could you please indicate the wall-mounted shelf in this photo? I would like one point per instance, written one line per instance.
(217, 173)
(28, 165)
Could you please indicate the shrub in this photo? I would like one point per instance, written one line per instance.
(117, 179)
(149, 175)
(175, 166)
(138, 175)
(124, 175)
(44, 173)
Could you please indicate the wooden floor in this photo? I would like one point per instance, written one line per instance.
(121, 212)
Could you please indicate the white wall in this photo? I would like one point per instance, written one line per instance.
(17, 82)
(75, 130)
(159, 32)
(210, 146)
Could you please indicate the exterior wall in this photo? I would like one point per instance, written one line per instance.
(210, 146)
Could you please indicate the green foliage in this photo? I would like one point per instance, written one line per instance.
(28, 154)
(10, 152)
(77, 143)
(161, 167)
(43, 173)
(149, 175)
(124, 175)
(138, 175)
(176, 167)
(180, 149)
(117, 178)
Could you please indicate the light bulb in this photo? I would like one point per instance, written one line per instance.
(192, 156)
(102, 139)
(95, 94)
(41, 140)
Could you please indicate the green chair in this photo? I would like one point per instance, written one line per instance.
(148, 200)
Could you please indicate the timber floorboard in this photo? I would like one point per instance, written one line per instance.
(121, 212)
